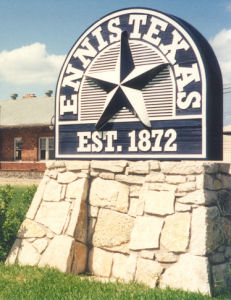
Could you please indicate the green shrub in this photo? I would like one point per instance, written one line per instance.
(12, 214)
(7, 219)
(29, 194)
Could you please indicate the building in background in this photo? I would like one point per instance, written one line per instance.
(26, 133)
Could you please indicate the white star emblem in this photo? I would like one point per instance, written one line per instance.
(123, 86)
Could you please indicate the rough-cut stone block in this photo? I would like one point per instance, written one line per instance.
(111, 166)
(27, 254)
(124, 266)
(52, 191)
(200, 181)
(52, 174)
(59, 254)
(221, 249)
(146, 232)
(154, 165)
(77, 189)
(226, 226)
(30, 229)
(138, 167)
(37, 199)
(136, 207)
(112, 229)
(211, 167)
(12, 256)
(182, 167)
(224, 168)
(191, 178)
(123, 248)
(90, 229)
(40, 244)
(50, 164)
(63, 191)
(148, 272)
(60, 164)
(78, 223)
(190, 273)
(155, 177)
(160, 186)
(77, 165)
(166, 257)
(158, 203)
(93, 211)
(206, 234)
(199, 231)
(67, 177)
(228, 252)
(201, 197)
(107, 175)
(80, 258)
(186, 187)
(119, 266)
(224, 203)
(181, 194)
(175, 234)
(53, 215)
(135, 190)
(221, 276)
(226, 181)
(83, 174)
(61, 170)
(217, 258)
(94, 174)
(209, 182)
(180, 207)
(149, 254)
(31, 240)
(109, 194)
(175, 179)
(132, 179)
(100, 262)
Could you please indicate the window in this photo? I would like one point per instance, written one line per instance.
(46, 148)
(17, 148)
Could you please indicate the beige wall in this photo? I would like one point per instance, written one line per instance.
(157, 222)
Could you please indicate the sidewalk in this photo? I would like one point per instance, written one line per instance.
(19, 181)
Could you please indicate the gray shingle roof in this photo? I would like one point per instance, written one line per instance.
(26, 112)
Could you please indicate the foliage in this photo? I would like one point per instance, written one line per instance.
(14, 203)
(18, 282)
(46, 283)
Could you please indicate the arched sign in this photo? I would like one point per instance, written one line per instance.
(139, 84)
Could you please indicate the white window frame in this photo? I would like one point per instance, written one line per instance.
(17, 139)
(47, 138)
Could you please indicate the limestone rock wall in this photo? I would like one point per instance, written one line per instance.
(160, 223)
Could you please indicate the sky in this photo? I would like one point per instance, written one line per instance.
(36, 36)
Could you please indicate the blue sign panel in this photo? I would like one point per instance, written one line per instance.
(139, 84)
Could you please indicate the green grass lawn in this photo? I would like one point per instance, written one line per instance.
(33, 283)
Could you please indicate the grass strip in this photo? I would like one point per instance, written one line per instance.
(17, 282)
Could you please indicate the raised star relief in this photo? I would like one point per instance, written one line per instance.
(124, 85)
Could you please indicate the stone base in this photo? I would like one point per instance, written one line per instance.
(159, 223)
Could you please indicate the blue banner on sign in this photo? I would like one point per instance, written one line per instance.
(165, 137)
